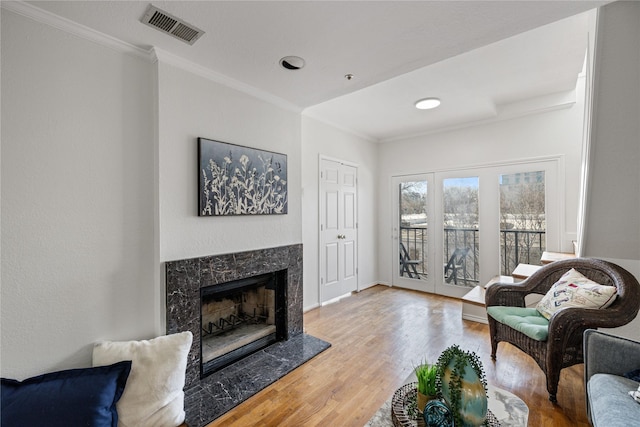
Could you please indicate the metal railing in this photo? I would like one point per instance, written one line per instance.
(516, 247)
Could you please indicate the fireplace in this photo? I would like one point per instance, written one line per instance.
(241, 317)
(215, 383)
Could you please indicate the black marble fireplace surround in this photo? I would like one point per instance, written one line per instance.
(208, 398)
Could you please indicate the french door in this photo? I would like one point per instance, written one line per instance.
(453, 230)
(413, 264)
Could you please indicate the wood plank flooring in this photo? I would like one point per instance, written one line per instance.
(377, 336)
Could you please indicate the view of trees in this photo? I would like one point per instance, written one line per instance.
(413, 197)
(522, 219)
(460, 210)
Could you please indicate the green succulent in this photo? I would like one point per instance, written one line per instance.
(427, 378)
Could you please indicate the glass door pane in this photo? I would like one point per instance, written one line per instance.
(523, 222)
(412, 233)
(413, 229)
(461, 242)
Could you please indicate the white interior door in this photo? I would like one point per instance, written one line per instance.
(413, 249)
(338, 229)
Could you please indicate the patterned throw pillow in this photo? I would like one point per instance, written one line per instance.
(575, 290)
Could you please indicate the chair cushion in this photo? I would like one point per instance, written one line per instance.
(575, 290)
(526, 320)
(609, 401)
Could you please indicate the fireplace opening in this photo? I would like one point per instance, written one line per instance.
(241, 317)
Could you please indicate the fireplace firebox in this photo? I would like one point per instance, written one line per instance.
(241, 317)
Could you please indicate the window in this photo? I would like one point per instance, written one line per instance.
(522, 219)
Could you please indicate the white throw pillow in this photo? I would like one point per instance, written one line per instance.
(575, 290)
(154, 395)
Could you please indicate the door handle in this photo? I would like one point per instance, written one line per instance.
(341, 236)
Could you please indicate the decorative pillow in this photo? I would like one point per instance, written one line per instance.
(575, 290)
(635, 394)
(153, 395)
(75, 397)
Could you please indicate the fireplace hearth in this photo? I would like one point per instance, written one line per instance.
(256, 295)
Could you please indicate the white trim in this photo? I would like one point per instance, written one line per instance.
(311, 307)
(197, 69)
(152, 55)
(370, 285)
(336, 299)
(590, 106)
(528, 107)
(335, 159)
(474, 318)
(345, 129)
(524, 160)
(45, 17)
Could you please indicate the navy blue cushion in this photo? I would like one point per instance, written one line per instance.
(76, 397)
(633, 375)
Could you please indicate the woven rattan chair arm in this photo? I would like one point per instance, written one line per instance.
(573, 318)
(506, 294)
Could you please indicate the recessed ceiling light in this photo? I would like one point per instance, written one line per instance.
(292, 62)
(427, 103)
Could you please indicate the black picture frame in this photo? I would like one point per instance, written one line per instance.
(238, 180)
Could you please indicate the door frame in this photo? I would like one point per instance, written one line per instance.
(321, 258)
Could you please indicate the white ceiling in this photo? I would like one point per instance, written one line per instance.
(463, 52)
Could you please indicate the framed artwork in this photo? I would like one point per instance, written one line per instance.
(237, 180)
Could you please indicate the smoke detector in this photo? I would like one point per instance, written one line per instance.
(292, 62)
(169, 24)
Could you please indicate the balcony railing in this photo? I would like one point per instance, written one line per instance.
(516, 246)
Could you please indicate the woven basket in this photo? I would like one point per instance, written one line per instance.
(402, 399)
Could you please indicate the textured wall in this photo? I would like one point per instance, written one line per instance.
(77, 198)
(191, 106)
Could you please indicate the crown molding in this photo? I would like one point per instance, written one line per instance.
(503, 112)
(320, 119)
(165, 57)
(69, 26)
(152, 55)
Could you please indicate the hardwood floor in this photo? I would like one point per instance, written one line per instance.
(377, 336)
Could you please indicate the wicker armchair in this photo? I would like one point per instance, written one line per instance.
(564, 345)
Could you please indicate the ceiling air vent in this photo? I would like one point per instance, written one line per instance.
(169, 24)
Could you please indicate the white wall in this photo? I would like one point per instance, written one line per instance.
(77, 198)
(99, 185)
(551, 133)
(191, 106)
(321, 139)
(612, 221)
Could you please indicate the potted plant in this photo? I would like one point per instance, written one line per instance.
(462, 384)
(427, 384)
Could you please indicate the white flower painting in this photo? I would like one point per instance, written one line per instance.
(236, 180)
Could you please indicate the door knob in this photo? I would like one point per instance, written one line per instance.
(341, 236)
